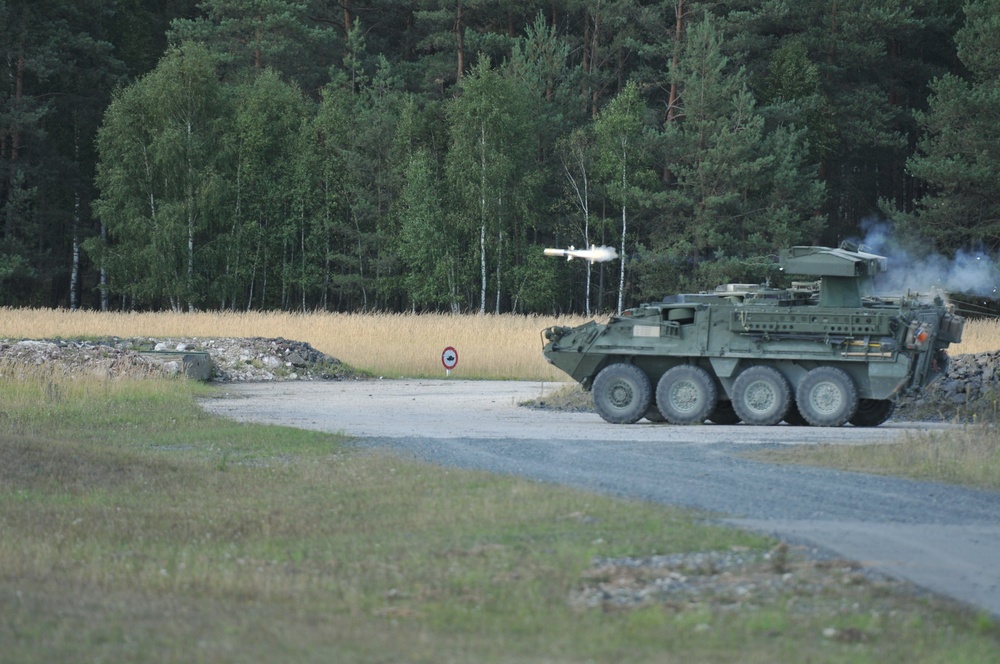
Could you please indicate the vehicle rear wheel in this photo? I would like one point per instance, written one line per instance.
(724, 414)
(873, 412)
(761, 396)
(827, 397)
(686, 394)
(622, 393)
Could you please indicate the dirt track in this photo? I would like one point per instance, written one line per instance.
(942, 538)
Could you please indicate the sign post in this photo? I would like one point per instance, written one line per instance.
(449, 358)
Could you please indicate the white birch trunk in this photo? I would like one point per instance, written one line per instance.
(621, 277)
(482, 219)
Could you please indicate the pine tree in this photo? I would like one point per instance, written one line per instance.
(738, 192)
(959, 155)
(873, 60)
(58, 72)
(251, 35)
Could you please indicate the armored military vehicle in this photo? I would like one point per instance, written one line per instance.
(826, 351)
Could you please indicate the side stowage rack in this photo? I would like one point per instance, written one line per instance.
(820, 323)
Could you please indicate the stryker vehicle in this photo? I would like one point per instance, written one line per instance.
(823, 352)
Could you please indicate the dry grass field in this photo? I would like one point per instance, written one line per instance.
(490, 346)
(981, 335)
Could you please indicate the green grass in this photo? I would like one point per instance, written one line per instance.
(137, 528)
(969, 456)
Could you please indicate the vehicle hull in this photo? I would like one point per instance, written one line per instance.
(887, 345)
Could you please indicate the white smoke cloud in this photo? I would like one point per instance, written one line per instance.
(970, 272)
(599, 254)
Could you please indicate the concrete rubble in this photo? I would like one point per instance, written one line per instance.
(233, 359)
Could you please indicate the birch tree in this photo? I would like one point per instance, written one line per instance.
(623, 158)
(487, 163)
(576, 157)
(260, 247)
(159, 147)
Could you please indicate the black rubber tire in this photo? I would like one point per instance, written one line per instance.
(622, 393)
(761, 396)
(686, 394)
(827, 397)
(794, 418)
(654, 415)
(724, 414)
(873, 412)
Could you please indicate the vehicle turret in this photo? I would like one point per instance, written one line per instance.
(847, 274)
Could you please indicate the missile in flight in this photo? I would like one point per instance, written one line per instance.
(594, 254)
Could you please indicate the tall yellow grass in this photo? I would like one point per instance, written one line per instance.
(981, 335)
(392, 345)
(492, 346)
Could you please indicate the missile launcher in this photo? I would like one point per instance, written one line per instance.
(826, 351)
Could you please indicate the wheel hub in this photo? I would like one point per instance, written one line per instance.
(826, 398)
(684, 397)
(760, 396)
(621, 395)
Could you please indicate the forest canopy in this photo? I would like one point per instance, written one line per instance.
(418, 155)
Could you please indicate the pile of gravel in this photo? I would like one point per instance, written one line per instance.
(232, 359)
(734, 580)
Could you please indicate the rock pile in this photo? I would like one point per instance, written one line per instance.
(74, 358)
(233, 359)
(969, 388)
(725, 581)
(261, 359)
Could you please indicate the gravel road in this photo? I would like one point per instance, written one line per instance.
(945, 539)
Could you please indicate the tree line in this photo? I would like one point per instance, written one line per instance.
(418, 155)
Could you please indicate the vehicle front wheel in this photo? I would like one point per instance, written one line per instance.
(686, 394)
(761, 396)
(622, 393)
(873, 412)
(827, 397)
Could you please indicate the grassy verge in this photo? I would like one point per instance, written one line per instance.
(969, 456)
(137, 528)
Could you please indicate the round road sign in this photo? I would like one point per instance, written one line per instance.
(449, 358)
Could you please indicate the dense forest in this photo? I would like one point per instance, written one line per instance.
(418, 154)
